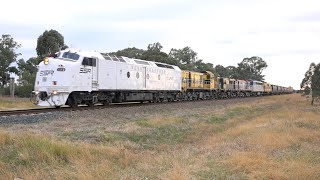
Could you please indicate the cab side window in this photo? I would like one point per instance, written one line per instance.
(89, 61)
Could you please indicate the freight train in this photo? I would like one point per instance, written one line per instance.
(77, 77)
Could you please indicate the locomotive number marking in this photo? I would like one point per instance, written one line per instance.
(61, 69)
(85, 70)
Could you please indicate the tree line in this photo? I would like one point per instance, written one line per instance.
(187, 59)
(311, 82)
(52, 41)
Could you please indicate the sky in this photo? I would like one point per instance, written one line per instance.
(285, 33)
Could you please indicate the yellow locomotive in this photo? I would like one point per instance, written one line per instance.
(199, 85)
(205, 85)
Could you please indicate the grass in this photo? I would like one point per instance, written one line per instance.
(31, 156)
(7, 103)
(273, 138)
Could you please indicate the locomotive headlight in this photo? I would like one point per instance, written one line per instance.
(46, 61)
(54, 92)
(35, 92)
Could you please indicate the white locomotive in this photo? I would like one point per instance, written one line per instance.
(75, 77)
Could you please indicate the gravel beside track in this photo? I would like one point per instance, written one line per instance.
(121, 112)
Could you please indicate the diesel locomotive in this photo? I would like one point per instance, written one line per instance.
(76, 77)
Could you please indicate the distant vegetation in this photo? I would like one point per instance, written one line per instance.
(52, 41)
(311, 82)
(187, 59)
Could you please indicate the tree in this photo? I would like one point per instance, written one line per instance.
(311, 81)
(155, 47)
(232, 72)
(251, 68)
(307, 77)
(307, 90)
(7, 56)
(50, 42)
(27, 70)
(315, 82)
(130, 53)
(228, 72)
(220, 71)
(185, 55)
(200, 66)
(154, 53)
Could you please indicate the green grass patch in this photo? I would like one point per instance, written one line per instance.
(215, 170)
(143, 123)
(76, 135)
(161, 122)
(161, 135)
(31, 150)
(217, 119)
(238, 112)
(111, 137)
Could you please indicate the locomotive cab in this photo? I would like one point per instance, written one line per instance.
(65, 72)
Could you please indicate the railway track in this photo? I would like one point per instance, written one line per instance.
(28, 111)
(82, 108)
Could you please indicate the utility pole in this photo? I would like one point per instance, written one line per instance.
(12, 87)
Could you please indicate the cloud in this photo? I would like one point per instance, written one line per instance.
(284, 33)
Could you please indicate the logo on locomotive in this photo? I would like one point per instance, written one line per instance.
(85, 70)
(46, 72)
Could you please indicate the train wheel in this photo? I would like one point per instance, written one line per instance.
(90, 104)
(71, 102)
(105, 103)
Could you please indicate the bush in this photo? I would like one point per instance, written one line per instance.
(24, 91)
(4, 91)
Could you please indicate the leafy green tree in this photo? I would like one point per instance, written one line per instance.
(307, 76)
(50, 42)
(220, 71)
(315, 82)
(307, 90)
(200, 66)
(154, 53)
(130, 53)
(311, 81)
(185, 56)
(232, 72)
(7, 56)
(27, 70)
(155, 47)
(251, 68)
(228, 72)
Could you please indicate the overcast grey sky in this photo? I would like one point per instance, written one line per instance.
(285, 33)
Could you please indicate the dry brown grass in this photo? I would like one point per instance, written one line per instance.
(281, 144)
(7, 103)
(32, 156)
(275, 137)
